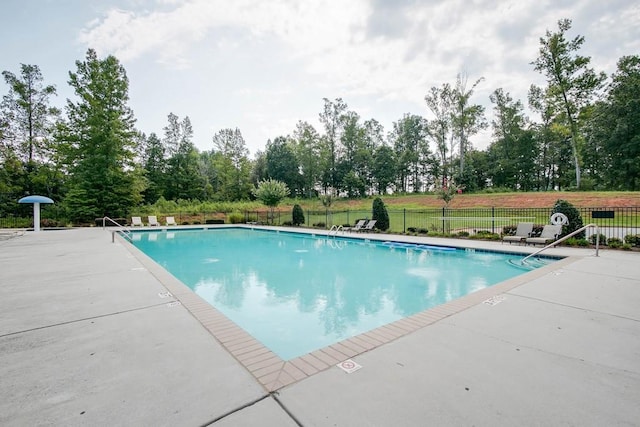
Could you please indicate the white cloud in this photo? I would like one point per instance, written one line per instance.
(369, 52)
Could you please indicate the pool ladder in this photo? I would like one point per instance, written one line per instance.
(335, 229)
(126, 232)
(555, 243)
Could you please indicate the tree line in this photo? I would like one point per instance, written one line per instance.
(92, 159)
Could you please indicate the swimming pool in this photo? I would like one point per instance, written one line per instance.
(296, 293)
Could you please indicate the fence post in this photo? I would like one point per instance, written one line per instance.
(493, 219)
(404, 220)
(443, 213)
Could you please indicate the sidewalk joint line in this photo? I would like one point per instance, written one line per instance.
(81, 320)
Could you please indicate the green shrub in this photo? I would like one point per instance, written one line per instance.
(463, 234)
(614, 243)
(235, 218)
(603, 239)
(582, 242)
(297, 215)
(380, 214)
(626, 247)
(320, 225)
(633, 240)
(575, 220)
(287, 223)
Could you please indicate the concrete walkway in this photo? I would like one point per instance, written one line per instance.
(88, 337)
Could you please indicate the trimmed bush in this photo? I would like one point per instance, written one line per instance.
(380, 214)
(214, 221)
(297, 215)
(575, 219)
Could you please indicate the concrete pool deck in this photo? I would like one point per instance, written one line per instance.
(88, 336)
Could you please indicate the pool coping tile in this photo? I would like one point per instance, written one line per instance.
(274, 373)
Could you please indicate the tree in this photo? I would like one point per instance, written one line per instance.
(98, 141)
(155, 167)
(384, 168)
(409, 137)
(307, 149)
(282, 165)
(513, 152)
(332, 119)
(440, 103)
(26, 113)
(185, 180)
(232, 164)
(571, 83)
(379, 214)
(271, 192)
(468, 119)
(613, 143)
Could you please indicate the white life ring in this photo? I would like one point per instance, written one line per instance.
(559, 219)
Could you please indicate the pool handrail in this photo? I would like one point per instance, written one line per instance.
(555, 242)
(126, 232)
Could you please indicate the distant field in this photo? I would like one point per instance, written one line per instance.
(498, 200)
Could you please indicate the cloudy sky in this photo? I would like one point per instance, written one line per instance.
(262, 66)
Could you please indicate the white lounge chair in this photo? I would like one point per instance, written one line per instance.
(369, 226)
(153, 221)
(549, 234)
(522, 232)
(170, 220)
(136, 220)
(357, 227)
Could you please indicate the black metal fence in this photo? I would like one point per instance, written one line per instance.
(613, 222)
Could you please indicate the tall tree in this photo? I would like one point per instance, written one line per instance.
(26, 112)
(234, 167)
(440, 102)
(614, 131)
(468, 119)
(185, 180)
(332, 119)
(155, 166)
(383, 169)
(409, 138)
(513, 152)
(308, 152)
(282, 164)
(571, 83)
(99, 141)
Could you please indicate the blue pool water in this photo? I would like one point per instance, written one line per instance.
(296, 293)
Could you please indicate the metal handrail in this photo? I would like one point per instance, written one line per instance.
(335, 228)
(125, 231)
(555, 242)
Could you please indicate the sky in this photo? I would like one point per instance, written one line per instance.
(262, 66)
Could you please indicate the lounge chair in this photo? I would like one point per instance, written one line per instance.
(170, 220)
(136, 220)
(153, 221)
(522, 232)
(369, 226)
(549, 234)
(357, 227)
